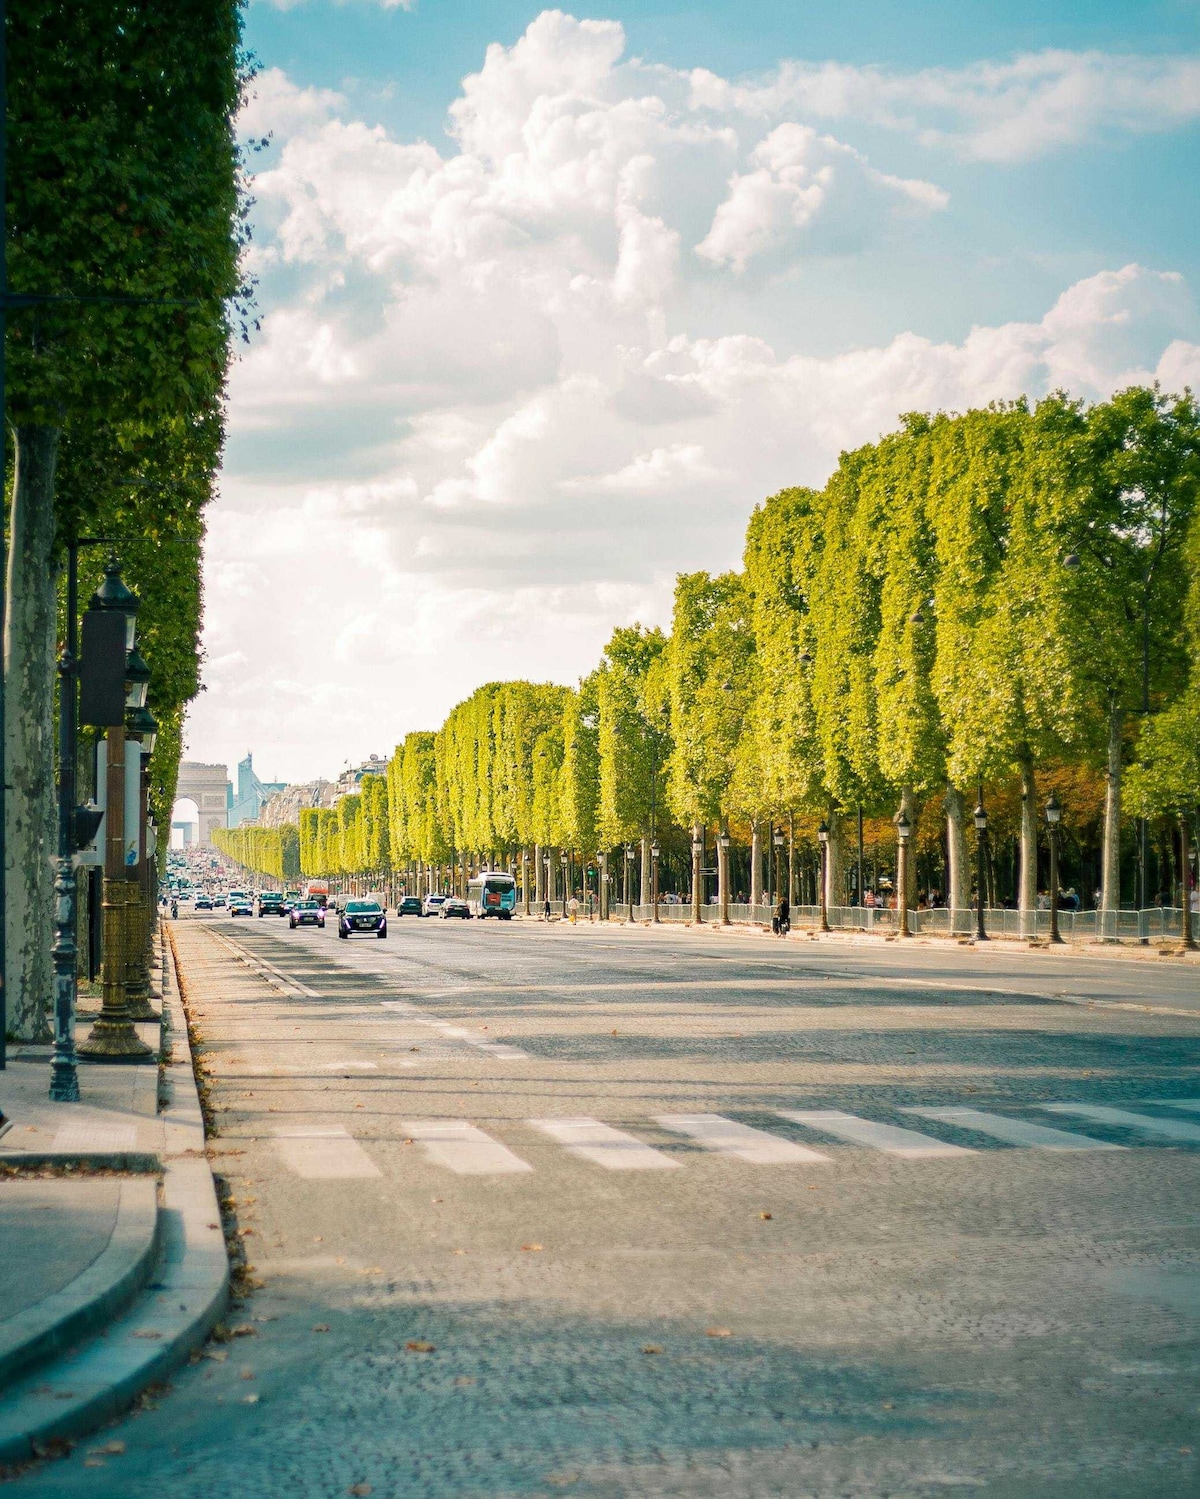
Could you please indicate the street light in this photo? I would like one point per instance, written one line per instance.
(697, 862)
(630, 856)
(723, 874)
(980, 866)
(903, 832)
(1053, 818)
(654, 853)
(137, 679)
(142, 729)
(112, 1037)
(823, 840)
(777, 839)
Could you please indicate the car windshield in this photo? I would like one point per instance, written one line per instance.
(435, 899)
(363, 907)
(309, 905)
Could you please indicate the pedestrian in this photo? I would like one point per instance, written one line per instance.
(573, 907)
(781, 925)
(546, 910)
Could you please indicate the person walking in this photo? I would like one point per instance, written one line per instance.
(781, 925)
(546, 910)
(574, 909)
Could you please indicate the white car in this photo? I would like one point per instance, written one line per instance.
(432, 905)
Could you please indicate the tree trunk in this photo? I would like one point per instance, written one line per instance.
(1110, 858)
(833, 863)
(957, 896)
(29, 685)
(645, 896)
(756, 881)
(1027, 878)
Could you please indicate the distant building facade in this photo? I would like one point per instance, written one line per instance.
(252, 793)
(286, 805)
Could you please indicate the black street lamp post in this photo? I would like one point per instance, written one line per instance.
(630, 856)
(697, 864)
(723, 846)
(1186, 854)
(903, 833)
(823, 840)
(980, 867)
(1053, 818)
(654, 853)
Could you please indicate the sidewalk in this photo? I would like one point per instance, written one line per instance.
(114, 1266)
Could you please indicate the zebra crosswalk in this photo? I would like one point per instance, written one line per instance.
(460, 1146)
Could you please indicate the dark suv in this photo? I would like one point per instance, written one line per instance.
(409, 905)
(362, 916)
(270, 903)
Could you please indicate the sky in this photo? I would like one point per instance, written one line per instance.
(550, 301)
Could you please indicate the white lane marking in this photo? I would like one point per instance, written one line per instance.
(462, 1147)
(1171, 1129)
(267, 971)
(1015, 1131)
(500, 1050)
(886, 1137)
(314, 1152)
(95, 1137)
(1191, 1104)
(607, 1147)
(728, 1137)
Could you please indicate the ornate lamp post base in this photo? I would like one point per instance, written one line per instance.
(114, 1041)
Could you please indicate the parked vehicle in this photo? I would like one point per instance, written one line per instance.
(492, 894)
(409, 905)
(306, 913)
(432, 904)
(362, 916)
(452, 906)
(270, 903)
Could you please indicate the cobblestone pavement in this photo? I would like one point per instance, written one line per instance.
(550, 1210)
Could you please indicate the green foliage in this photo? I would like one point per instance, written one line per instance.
(273, 852)
(633, 740)
(712, 676)
(580, 785)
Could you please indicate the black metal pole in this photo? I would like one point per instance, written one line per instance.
(64, 1078)
(3, 540)
(1055, 935)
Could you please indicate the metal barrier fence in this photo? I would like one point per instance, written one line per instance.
(1157, 923)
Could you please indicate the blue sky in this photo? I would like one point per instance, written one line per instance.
(551, 300)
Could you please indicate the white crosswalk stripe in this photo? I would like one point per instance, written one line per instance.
(1014, 1131)
(1191, 1104)
(728, 1137)
(611, 1148)
(463, 1148)
(886, 1137)
(318, 1153)
(1170, 1129)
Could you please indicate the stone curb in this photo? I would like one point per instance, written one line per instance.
(107, 1285)
(188, 1292)
(137, 1162)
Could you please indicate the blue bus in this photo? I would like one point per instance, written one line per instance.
(492, 894)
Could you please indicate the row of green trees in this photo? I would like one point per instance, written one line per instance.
(1009, 598)
(274, 852)
(125, 217)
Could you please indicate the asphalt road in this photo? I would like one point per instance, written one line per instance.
(550, 1210)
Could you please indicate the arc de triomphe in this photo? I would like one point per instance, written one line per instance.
(208, 787)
